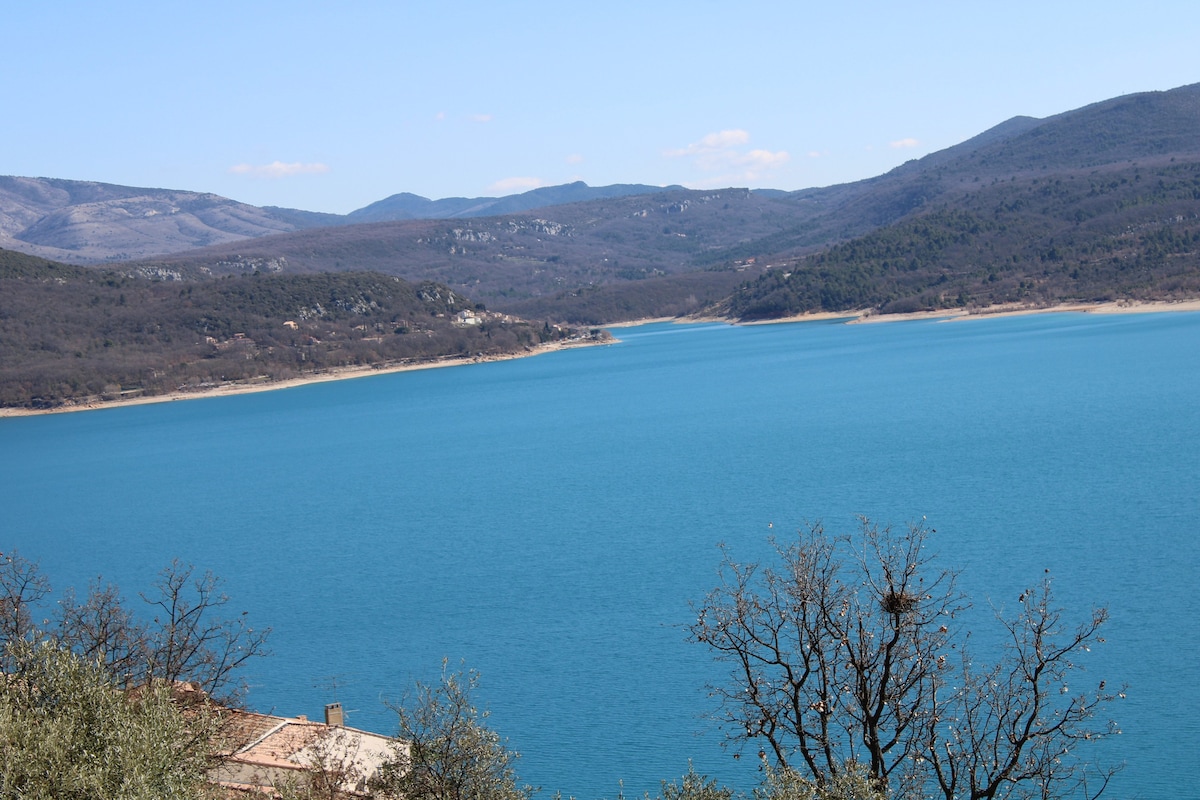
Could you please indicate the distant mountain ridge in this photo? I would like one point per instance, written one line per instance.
(410, 206)
(1137, 126)
(84, 222)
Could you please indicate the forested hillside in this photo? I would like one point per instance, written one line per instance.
(72, 334)
(411, 206)
(1100, 203)
(1129, 231)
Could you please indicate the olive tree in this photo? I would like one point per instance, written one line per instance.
(66, 732)
(444, 749)
(847, 654)
(778, 783)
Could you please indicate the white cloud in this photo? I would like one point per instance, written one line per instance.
(574, 158)
(712, 143)
(510, 185)
(903, 143)
(722, 156)
(439, 116)
(481, 118)
(278, 169)
(764, 159)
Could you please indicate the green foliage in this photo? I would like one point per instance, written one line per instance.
(852, 782)
(445, 749)
(66, 732)
(694, 786)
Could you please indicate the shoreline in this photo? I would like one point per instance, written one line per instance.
(870, 316)
(867, 316)
(1017, 310)
(333, 374)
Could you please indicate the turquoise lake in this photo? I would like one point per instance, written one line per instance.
(547, 520)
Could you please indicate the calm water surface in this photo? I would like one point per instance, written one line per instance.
(547, 520)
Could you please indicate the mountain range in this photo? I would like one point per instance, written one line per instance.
(599, 254)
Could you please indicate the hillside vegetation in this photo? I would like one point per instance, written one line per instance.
(1126, 232)
(516, 262)
(73, 334)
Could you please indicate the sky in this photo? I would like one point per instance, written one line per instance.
(333, 106)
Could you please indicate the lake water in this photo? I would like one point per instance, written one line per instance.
(547, 520)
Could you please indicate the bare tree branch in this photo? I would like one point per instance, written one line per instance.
(22, 587)
(845, 651)
(189, 641)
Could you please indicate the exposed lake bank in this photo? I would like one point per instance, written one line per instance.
(265, 385)
(850, 317)
(990, 312)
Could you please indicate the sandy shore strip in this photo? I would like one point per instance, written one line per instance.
(1018, 310)
(955, 314)
(333, 374)
(631, 323)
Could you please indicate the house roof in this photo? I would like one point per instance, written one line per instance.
(262, 750)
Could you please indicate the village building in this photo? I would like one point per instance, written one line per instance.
(265, 752)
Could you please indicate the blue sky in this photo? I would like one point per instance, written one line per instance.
(331, 106)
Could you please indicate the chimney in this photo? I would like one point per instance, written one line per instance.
(334, 715)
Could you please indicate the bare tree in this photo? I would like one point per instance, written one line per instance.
(103, 630)
(847, 654)
(1012, 729)
(22, 587)
(188, 640)
(334, 769)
